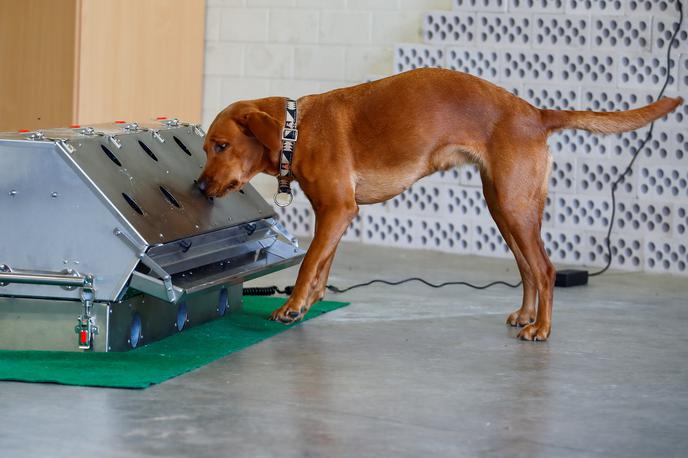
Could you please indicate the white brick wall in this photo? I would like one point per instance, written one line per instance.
(260, 48)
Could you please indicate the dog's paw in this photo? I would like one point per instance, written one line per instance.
(521, 318)
(535, 332)
(288, 314)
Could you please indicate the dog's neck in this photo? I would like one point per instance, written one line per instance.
(276, 109)
(274, 106)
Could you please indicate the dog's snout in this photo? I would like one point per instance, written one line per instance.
(202, 184)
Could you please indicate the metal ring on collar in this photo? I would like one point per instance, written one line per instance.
(282, 199)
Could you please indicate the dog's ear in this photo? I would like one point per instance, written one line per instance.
(264, 127)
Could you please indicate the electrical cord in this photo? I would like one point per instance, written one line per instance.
(620, 179)
(272, 290)
(336, 289)
(268, 291)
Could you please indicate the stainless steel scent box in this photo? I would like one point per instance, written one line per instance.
(106, 243)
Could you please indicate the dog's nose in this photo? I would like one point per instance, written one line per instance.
(202, 184)
(203, 187)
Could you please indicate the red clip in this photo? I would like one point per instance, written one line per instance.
(83, 337)
(22, 131)
(161, 118)
(120, 122)
(74, 126)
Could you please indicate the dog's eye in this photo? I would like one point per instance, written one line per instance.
(220, 147)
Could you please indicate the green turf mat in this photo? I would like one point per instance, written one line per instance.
(160, 360)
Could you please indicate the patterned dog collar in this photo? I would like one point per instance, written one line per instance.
(290, 134)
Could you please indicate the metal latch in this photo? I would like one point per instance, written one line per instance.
(62, 143)
(37, 136)
(114, 141)
(90, 131)
(156, 135)
(195, 128)
(66, 146)
(86, 327)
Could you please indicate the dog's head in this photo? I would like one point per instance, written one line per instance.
(242, 141)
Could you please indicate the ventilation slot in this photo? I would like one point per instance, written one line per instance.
(182, 145)
(132, 203)
(111, 155)
(148, 151)
(169, 197)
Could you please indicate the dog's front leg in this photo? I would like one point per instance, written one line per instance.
(319, 291)
(330, 223)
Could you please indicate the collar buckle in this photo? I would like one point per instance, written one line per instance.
(289, 134)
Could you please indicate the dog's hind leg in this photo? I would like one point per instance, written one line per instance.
(526, 314)
(520, 189)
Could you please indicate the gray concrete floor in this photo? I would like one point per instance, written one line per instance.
(405, 371)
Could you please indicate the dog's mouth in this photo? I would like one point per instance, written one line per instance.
(221, 191)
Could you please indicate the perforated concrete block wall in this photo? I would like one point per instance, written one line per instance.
(603, 55)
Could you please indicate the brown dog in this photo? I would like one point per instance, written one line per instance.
(367, 143)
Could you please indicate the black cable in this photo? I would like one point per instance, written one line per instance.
(272, 290)
(266, 290)
(647, 138)
(425, 282)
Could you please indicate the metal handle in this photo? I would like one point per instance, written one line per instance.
(164, 290)
(86, 327)
(78, 281)
(152, 265)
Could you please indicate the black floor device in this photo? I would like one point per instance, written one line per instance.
(571, 277)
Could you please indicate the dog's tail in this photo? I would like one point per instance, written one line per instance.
(611, 122)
